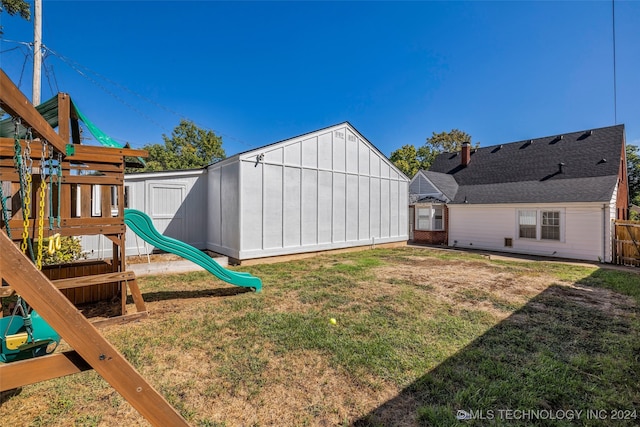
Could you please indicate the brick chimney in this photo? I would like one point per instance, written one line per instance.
(465, 153)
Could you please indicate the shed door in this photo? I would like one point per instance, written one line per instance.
(167, 208)
(411, 218)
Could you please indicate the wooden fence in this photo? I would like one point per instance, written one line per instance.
(626, 243)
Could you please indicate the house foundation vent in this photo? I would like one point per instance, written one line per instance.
(508, 242)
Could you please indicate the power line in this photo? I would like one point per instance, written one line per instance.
(615, 89)
(109, 92)
(84, 71)
(77, 67)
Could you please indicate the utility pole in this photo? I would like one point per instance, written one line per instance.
(37, 51)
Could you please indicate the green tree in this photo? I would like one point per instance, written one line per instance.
(16, 7)
(410, 160)
(447, 142)
(633, 176)
(406, 159)
(188, 147)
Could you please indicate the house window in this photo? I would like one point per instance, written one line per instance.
(550, 225)
(540, 224)
(430, 218)
(424, 219)
(527, 224)
(437, 218)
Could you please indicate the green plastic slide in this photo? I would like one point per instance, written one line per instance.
(140, 223)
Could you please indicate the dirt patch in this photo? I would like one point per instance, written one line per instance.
(470, 285)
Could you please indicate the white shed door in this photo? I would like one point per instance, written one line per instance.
(167, 209)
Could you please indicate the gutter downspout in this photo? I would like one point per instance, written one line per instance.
(604, 231)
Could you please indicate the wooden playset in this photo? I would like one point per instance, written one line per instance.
(48, 181)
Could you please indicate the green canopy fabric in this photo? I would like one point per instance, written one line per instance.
(49, 111)
(98, 134)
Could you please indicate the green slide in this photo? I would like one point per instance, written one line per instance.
(140, 223)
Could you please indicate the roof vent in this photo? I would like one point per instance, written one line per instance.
(561, 137)
(603, 160)
(590, 132)
(561, 167)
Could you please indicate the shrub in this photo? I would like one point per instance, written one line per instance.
(70, 250)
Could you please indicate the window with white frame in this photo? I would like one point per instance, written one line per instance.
(550, 225)
(430, 218)
(540, 224)
(527, 224)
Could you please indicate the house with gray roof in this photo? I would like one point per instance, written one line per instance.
(552, 196)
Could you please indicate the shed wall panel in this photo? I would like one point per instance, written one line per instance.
(273, 199)
(385, 208)
(230, 186)
(252, 206)
(394, 208)
(292, 207)
(375, 207)
(339, 157)
(325, 151)
(339, 207)
(352, 214)
(363, 208)
(309, 207)
(374, 164)
(292, 154)
(310, 153)
(325, 206)
(352, 157)
(363, 158)
(215, 207)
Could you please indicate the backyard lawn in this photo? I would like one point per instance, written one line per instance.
(420, 336)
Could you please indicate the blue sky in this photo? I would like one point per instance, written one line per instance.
(261, 72)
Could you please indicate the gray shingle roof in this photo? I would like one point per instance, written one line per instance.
(528, 171)
(446, 183)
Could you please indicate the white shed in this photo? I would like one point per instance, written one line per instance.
(323, 190)
(176, 201)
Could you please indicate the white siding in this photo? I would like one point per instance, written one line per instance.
(584, 230)
(326, 190)
(175, 201)
(224, 208)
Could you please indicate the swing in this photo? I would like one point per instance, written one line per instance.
(24, 334)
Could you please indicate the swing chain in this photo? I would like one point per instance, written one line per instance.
(53, 175)
(24, 164)
(5, 211)
(43, 188)
(58, 219)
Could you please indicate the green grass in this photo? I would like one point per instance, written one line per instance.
(439, 347)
